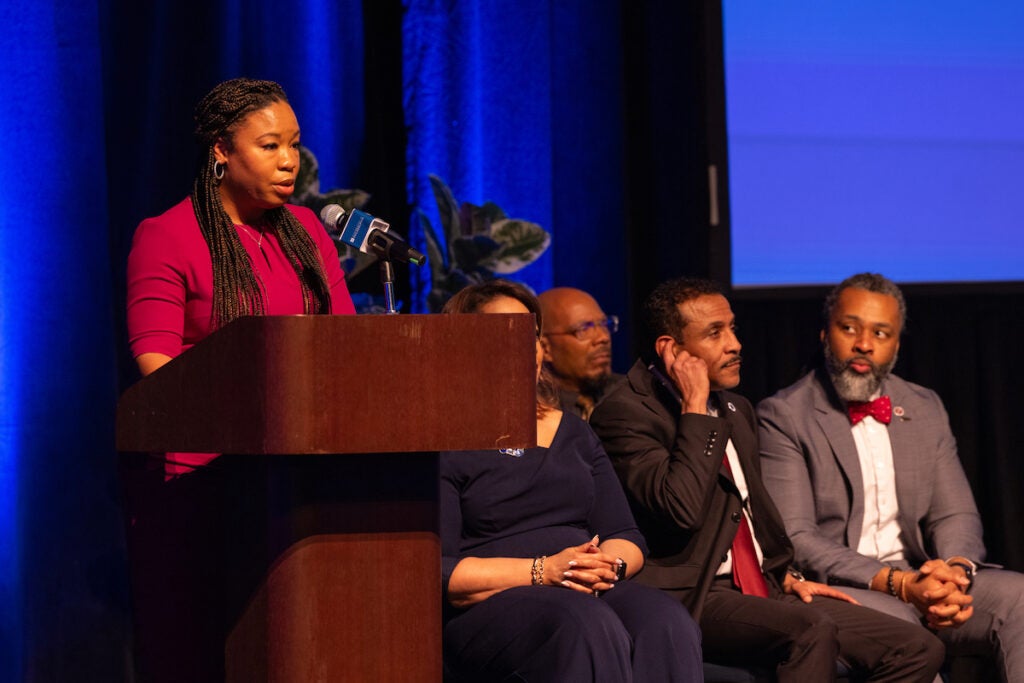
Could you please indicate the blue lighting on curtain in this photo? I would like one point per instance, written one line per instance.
(56, 370)
(315, 52)
(330, 108)
(478, 100)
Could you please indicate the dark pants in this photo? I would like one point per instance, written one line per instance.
(630, 633)
(802, 642)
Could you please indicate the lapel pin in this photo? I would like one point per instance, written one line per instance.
(898, 411)
(730, 406)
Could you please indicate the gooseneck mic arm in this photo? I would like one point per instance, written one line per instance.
(388, 247)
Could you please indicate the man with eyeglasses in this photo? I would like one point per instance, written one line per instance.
(577, 342)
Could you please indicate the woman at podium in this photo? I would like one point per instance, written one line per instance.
(235, 247)
(530, 537)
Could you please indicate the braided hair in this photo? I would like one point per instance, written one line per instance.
(236, 291)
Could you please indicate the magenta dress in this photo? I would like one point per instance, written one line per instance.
(170, 286)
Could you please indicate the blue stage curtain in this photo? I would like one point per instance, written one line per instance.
(515, 102)
(62, 593)
(478, 114)
(161, 58)
(520, 102)
(97, 117)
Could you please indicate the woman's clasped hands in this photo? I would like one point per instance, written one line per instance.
(584, 568)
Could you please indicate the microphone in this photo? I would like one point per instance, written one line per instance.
(362, 231)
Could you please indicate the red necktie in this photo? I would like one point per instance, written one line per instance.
(880, 409)
(746, 570)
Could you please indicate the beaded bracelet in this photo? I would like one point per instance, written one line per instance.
(890, 583)
(537, 571)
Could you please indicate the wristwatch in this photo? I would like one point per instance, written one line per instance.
(969, 568)
(620, 574)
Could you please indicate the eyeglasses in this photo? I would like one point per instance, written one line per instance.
(587, 330)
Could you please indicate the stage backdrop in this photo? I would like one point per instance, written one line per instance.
(589, 118)
(516, 102)
(62, 589)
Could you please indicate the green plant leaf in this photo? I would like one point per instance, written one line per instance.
(522, 243)
(493, 211)
(347, 199)
(435, 254)
(470, 252)
(307, 188)
(449, 210)
(479, 223)
(307, 180)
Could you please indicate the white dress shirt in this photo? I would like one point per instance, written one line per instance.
(880, 532)
(741, 483)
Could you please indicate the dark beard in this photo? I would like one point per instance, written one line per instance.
(853, 386)
(593, 386)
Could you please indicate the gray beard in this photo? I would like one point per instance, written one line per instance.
(853, 386)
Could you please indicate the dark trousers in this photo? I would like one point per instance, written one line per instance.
(802, 642)
(630, 633)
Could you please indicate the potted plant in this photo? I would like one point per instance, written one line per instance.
(480, 243)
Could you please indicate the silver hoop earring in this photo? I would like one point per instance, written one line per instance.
(218, 170)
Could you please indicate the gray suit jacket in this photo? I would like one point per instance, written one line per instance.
(811, 468)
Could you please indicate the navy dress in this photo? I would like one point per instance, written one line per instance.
(539, 501)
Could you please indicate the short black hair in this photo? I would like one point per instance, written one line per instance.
(871, 282)
(661, 314)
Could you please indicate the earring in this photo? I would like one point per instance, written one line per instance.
(218, 170)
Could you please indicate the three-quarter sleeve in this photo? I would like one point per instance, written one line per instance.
(610, 516)
(450, 504)
(157, 290)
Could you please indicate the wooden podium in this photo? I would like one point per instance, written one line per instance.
(312, 552)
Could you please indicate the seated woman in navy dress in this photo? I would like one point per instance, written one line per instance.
(530, 537)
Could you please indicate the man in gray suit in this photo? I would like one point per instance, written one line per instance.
(685, 449)
(864, 470)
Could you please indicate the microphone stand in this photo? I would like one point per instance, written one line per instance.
(387, 278)
(386, 247)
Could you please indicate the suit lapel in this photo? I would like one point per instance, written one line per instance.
(905, 465)
(743, 440)
(646, 387)
(835, 424)
(768, 526)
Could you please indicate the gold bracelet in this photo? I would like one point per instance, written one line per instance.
(537, 571)
(903, 592)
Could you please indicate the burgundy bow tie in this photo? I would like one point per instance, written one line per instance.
(880, 409)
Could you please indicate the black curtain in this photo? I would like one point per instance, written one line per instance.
(959, 341)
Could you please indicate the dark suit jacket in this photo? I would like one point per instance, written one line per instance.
(812, 468)
(567, 398)
(685, 503)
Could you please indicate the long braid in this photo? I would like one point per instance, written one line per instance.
(236, 289)
(304, 256)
